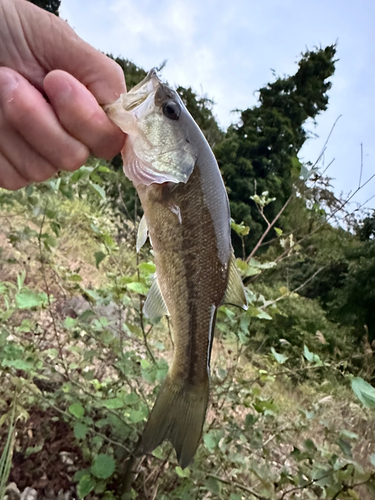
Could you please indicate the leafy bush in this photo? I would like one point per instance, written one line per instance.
(87, 365)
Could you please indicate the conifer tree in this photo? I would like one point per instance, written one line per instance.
(260, 153)
(48, 5)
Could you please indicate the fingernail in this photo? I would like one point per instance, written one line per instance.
(63, 90)
(8, 84)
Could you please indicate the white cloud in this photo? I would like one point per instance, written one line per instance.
(227, 49)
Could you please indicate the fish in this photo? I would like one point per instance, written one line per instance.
(187, 218)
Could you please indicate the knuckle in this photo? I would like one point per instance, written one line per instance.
(75, 159)
(109, 144)
(41, 174)
(15, 108)
(13, 184)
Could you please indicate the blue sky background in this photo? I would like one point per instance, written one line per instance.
(226, 50)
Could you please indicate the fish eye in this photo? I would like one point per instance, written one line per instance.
(172, 110)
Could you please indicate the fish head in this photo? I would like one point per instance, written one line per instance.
(159, 147)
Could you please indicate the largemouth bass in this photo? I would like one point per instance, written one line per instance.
(186, 214)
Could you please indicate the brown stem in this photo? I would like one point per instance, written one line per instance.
(270, 225)
(267, 304)
(307, 484)
(55, 330)
(239, 486)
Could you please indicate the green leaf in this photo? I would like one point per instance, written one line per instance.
(103, 466)
(70, 322)
(280, 358)
(98, 189)
(348, 434)
(364, 392)
(305, 173)
(28, 299)
(55, 226)
(99, 257)
(101, 487)
(212, 439)
(79, 174)
(266, 407)
(103, 168)
(147, 268)
(30, 450)
(261, 265)
(131, 398)
(113, 404)
(136, 416)
(18, 364)
(310, 356)
(158, 452)
(137, 287)
(26, 326)
(372, 459)
(77, 410)
(85, 485)
(182, 472)
(52, 353)
(86, 316)
(240, 229)
(310, 445)
(263, 315)
(213, 485)
(76, 278)
(80, 430)
(80, 473)
(345, 447)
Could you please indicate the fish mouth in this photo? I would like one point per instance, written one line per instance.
(138, 94)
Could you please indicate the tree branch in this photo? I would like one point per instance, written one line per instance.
(238, 485)
(270, 225)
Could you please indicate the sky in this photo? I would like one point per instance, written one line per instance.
(227, 50)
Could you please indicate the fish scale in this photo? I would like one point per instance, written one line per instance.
(191, 277)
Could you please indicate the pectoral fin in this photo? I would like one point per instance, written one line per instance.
(235, 293)
(142, 233)
(155, 306)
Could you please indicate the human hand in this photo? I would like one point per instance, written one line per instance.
(41, 56)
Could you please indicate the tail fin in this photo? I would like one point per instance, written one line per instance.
(177, 416)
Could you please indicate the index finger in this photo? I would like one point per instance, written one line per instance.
(54, 45)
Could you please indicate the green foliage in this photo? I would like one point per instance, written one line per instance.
(51, 6)
(366, 228)
(298, 332)
(103, 466)
(291, 412)
(99, 371)
(364, 391)
(354, 301)
(6, 455)
(260, 153)
(133, 73)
